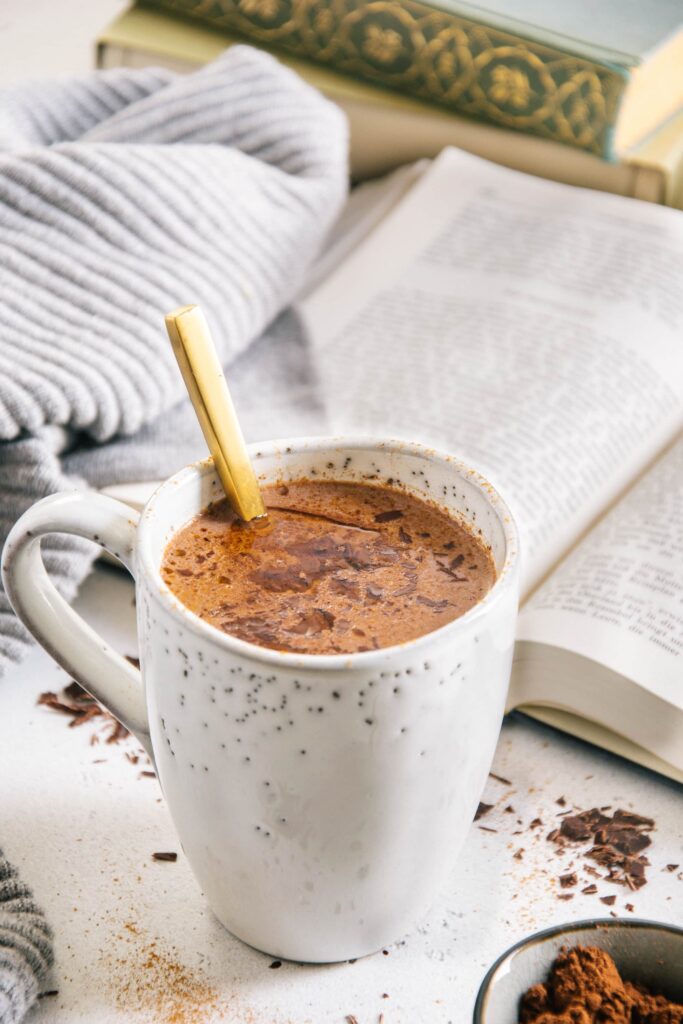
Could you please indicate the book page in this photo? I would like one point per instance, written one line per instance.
(531, 328)
(618, 597)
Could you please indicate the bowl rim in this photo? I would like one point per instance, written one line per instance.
(568, 927)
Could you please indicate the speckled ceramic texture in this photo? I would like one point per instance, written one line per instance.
(321, 800)
(644, 951)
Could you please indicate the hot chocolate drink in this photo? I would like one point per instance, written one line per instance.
(336, 569)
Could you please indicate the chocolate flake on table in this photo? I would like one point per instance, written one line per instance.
(275, 964)
(148, 775)
(568, 880)
(81, 707)
(519, 854)
(608, 900)
(486, 828)
(590, 890)
(565, 895)
(73, 701)
(481, 810)
(561, 801)
(165, 856)
(672, 867)
(615, 842)
(500, 778)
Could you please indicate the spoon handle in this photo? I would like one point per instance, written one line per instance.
(196, 354)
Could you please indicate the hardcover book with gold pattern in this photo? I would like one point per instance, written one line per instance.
(598, 76)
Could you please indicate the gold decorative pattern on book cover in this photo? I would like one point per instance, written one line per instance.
(440, 57)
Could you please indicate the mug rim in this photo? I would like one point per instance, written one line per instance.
(506, 577)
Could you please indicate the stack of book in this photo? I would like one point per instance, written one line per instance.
(585, 94)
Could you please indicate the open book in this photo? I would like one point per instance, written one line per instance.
(537, 330)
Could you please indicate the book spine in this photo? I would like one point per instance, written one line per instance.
(440, 57)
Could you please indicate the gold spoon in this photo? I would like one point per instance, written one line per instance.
(203, 375)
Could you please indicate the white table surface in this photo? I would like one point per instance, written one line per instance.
(134, 939)
(136, 942)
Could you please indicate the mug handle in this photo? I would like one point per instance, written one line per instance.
(92, 662)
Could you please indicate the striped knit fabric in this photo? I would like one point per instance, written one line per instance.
(25, 946)
(123, 195)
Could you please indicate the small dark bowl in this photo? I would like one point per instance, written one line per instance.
(645, 952)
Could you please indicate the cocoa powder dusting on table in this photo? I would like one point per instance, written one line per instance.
(147, 978)
(585, 987)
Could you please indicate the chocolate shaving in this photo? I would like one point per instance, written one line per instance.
(568, 880)
(315, 621)
(327, 519)
(590, 890)
(609, 901)
(616, 842)
(451, 572)
(75, 702)
(167, 856)
(431, 603)
(481, 810)
(500, 778)
(387, 517)
(631, 820)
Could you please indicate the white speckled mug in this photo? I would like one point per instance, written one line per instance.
(320, 799)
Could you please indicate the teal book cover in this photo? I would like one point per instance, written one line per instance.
(588, 74)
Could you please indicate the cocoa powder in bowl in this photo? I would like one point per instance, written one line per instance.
(585, 987)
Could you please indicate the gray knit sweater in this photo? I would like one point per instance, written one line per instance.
(25, 946)
(122, 195)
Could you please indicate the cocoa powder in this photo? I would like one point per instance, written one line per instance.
(585, 987)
